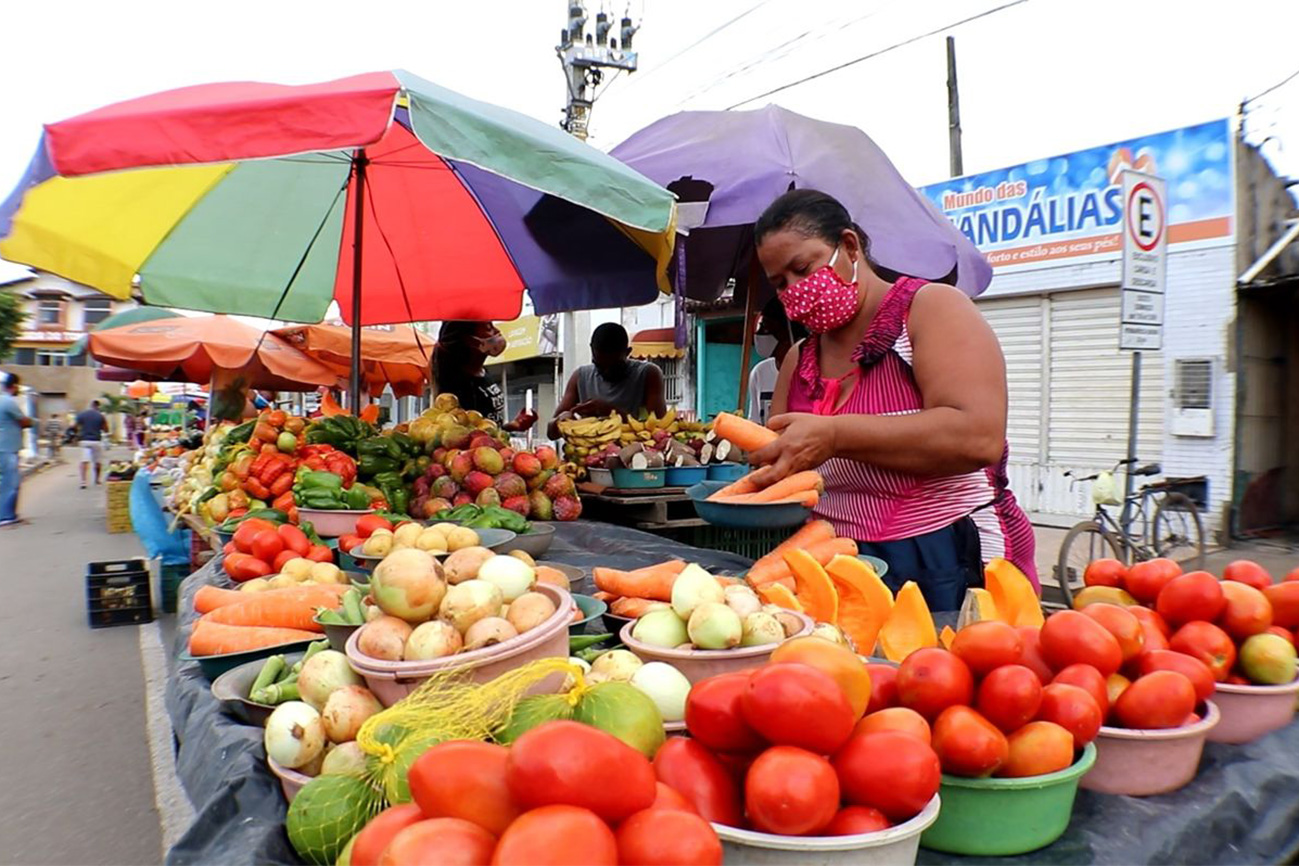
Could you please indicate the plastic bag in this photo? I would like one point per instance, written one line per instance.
(1106, 490)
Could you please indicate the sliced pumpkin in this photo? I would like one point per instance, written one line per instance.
(909, 627)
(815, 590)
(977, 606)
(780, 595)
(946, 636)
(1016, 600)
(864, 600)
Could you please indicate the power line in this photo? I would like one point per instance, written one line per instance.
(873, 54)
(1283, 82)
(709, 35)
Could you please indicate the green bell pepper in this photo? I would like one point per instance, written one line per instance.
(371, 465)
(356, 498)
(310, 480)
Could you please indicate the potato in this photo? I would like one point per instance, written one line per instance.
(464, 563)
(443, 529)
(327, 572)
(524, 556)
(378, 544)
(431, 541)
(257, 584)
(280, 581)
(407, 534)
(297, 568)
(460, 538)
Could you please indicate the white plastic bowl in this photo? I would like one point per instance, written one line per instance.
(1249, 712)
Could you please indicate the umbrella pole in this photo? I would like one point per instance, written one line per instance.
(359, 163)
(750, 314)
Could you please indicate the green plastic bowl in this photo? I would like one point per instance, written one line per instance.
(591, 607)
(1000, 817)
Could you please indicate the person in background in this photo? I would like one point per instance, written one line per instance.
(54, 435)
(130, 426)
(459, 368)
(773, 339)
(13, 421)
(612, 382)
(91, 425)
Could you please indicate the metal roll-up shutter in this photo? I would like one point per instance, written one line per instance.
(1017, 322)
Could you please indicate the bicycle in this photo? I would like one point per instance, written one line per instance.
(1174, 531)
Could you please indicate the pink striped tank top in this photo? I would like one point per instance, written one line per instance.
(868, 503)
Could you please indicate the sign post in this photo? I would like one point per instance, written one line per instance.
(1141, 316)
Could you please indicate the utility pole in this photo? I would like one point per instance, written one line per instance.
(586, 56)
(953, 111)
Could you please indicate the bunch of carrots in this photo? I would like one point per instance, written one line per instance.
(803, 488)
(634, 593)
(234, 621)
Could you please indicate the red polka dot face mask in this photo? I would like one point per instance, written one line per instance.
(822, 301)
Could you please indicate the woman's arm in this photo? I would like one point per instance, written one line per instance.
(962, 376)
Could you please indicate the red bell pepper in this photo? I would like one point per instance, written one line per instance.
(284, 501)
(272, 471)
(281, 484)
(315, 463)
(256, 489)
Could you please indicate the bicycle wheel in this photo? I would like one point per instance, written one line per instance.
(1178, 531)
(1082, 545)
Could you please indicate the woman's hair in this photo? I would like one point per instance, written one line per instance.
(452, 348)
(815, 214)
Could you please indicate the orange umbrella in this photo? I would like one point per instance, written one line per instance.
(190, 349)
(397, 355)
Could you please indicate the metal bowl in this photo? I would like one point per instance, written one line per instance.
(232, 687)
(591, 607)
(536, 541)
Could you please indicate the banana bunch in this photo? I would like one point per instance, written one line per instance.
(585, 435)
(652, 428)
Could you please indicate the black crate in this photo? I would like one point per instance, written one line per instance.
(117, 593)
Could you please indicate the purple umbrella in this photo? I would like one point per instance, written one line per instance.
(740, 161)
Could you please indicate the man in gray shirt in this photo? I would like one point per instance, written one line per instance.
(612, 382)
(91, 425)
(13, 421)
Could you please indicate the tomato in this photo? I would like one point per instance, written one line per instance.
(320, 553)
(1280, 632)
(987, 645)
(376, 835)
(841, 663)
(1032, 657)
(1246, 610)
(1188, 666)
(1154, 631)
(248, 530)
(281, 559)
(348, 543)
(267, 545)
(1125, 627)
(736, 764)
(1146, 579)
(1191, 596)
(894, 719)
(570, 763)
(556, 836)
(1285, 603)
(1236, 679)
(791, 791)
(890, 771)
(1250, 573)
(244, 566)
(798, 705)
(884, 687)
(687, 767)
(1105, 572)
(1036, 749)
(366, 524)
(658, 837)
(1208, 643)
(1072, 709)
(1070, 637)
(930, 680)
(1292, 574)
(713, 714)
(668, 797)
(968, 744)
(294, 539)
(445, 841)
(1009, 697)
(1160, 699)
(854, 820)
(1089, 680)
(1115, 685)
(464, 779)
(229, 548)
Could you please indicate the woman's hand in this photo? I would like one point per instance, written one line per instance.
(806, 441)
(521, 423)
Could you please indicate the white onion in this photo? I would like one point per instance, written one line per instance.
(660, 628)
(762, 628)
(346, 710)
(570, 680)
(432, 640)
(742, 600)
(323, 674)
(466, 603)
(666, 686)
(616, 665)
(295, 735)
(714, 626)
(488, 632)
(513, 576)
(693, 587)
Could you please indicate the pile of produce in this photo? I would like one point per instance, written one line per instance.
(375, 535)
(645, 442)
(198, 468)
(261, 548)
(801, 488)
(237, 621)
(663, 684)
(277, 681)
(489, 517)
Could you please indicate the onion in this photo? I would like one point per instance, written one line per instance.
(345, 759)
(346, 710)
(408, 584)
(762, 628)
(466, 603)
(788, 621)
(464, 564)
(295, 735)
(742, 600)
(316, 764)
(529, 611)
(513, 576)
(693, 587)
(432, 640)
(488, 632)
(666, 686)
(714, 626)
(384, 638)
(372, 612)
(660, 628)
(829, 631)
(570, 680)
(322, 675)
(615, 665)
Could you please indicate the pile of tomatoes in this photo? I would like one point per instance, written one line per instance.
(563, 793)
(259, 548)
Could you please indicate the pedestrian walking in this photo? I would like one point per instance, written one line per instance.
(54, 435)
(13, 421)
(91, 425)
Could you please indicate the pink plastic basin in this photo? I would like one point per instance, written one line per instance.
(701, 664)
(392, 681)
(1249, 712)
(291, 781)
(1141, 763)
(331, 523)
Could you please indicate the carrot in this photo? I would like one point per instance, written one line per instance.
(810, 533)
(737, 487)
(209, 598)
(764, 571)
(286, 608)
(742, 432)
(653, 582)
(633, 608)
(807, 498)
(214, 638)
(606, 597)
(799, 482)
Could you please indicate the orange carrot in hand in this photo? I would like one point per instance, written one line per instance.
(746, 434)
(214, 638)
(799, 482)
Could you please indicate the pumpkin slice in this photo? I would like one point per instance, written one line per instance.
(864, 600)
(909, 627)
(815, 590)
(780, 595)
(1016, 600)
(977, 606)
(946, 636)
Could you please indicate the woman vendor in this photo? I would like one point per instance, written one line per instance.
(459, 360)
(898, 399)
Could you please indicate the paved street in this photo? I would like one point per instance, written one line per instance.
(79, 786)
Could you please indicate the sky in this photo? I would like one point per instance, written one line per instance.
(1037, 77)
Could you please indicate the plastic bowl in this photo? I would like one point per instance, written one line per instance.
(685, 476)
(727, 472)
(535, 542)
(572, 572)
(492, 539)
(591, 607)
(1141, 763)
(1000, 817)
(881, 567)
(232, 687)
(291, 781)
(614, 624)
(741, 516)
(701, 664)
(337, 634)
(392, 681)
(1249, 712)
(895, 845)
(332, 523)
